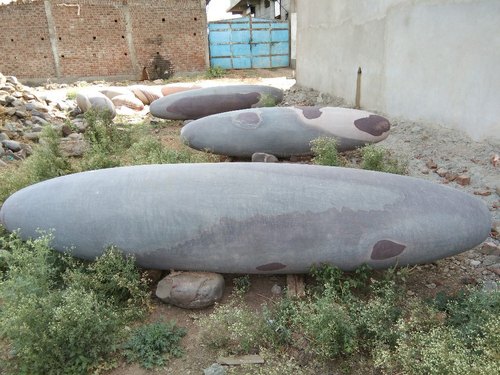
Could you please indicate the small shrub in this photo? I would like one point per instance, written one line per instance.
(327, 327)
(62, 316)
(342, 283)
(279, 322)
(378, 159)
(151, 151)
(46, 162)
(114, 278)
(241, 285)
(232, 328)
(215, 72)
(267, 101)
(468, 312)
(453, 335)
(325, 151)
(107, 141)
(153, 344)
(377, 317)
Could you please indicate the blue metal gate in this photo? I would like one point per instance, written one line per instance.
(247, 42)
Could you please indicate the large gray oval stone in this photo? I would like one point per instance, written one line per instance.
(191, 290)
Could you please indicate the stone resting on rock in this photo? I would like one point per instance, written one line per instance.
(250, 217)
(283, 131)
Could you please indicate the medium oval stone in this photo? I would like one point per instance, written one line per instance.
(283, 131)
(11, 145)
(90, 99)
(191, 290)
(195, 104)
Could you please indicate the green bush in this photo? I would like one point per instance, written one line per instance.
(152, 344)
(377, 158)
(241, 285)
(232, 328)
(107, 141)
(279, 322)
(149, 150)
(325, 151)
(468, 312)
(114, 278)
(453, 335)
(46, 162)
(327, 326)
(215, 72)
(57, 315)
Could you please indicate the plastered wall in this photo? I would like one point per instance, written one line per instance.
(434, 61)
(102, 38)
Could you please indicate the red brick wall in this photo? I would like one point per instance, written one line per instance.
(93, 40)
(24, 41)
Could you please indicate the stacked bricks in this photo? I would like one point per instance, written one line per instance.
(96, 38)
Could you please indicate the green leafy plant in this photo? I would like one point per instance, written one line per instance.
(153, 344)
(46, 162)
(377, 158)
(232, 328)
(241, 284)
(57, 316)
(325, 151)
(328, 328)
(107, 141)
(215, 72)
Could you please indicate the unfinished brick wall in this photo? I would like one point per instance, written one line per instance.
(102, 38)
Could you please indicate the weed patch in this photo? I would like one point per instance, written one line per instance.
(62, 316)
(376, 158)
(215, 72)
(46, 162)
(325, 151)
(153, 344)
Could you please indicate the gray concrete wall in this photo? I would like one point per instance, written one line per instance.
(434, 61)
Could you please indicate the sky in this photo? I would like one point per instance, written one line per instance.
(216, 10)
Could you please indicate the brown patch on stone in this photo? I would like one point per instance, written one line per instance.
(310, 112)
(385, 249)
(373, 124)
(195, 108)
(248, 118)
(271, 267)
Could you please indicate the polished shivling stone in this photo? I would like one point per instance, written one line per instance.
(283, 131)
(194, 104)
(250, 217)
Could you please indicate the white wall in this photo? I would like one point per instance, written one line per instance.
(436, 61)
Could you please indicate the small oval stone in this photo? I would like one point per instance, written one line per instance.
(191, 290)
(12, 145)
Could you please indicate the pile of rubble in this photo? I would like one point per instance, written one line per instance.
(23, 115)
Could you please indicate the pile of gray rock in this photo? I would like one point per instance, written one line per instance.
(23, 115)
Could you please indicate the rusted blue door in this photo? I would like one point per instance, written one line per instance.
(247, 42)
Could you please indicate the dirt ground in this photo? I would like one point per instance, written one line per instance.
(416, 143)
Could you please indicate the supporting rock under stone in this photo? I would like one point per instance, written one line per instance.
(191, 290)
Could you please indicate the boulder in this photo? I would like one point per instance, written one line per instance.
(12, 145)
(146, 94)
(94, 99)
(191, 290)
(262, 157)
(129, 101)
